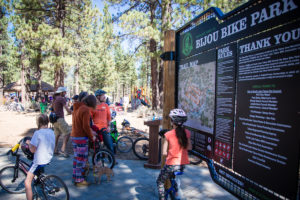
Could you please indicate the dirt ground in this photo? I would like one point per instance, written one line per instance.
(14, 126)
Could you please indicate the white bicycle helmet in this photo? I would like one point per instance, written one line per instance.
(178, 116)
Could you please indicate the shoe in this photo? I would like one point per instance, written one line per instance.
(56, 153)
(64, 154)
(82, 184)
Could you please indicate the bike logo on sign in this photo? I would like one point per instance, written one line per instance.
(187, 44)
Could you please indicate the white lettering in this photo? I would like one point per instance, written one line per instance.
(272, 11)
(288, 6)
(234, 27)
(255, 45)
(287, 36)
(208, 39)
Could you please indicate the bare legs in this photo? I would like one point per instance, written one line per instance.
(28, 188)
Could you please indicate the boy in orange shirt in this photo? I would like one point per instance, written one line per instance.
(101, 117)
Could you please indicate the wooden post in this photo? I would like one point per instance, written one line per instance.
(168, 87)
(153, 161)
(169, 79)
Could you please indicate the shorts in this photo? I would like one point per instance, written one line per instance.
(61, 127)
(35, 168)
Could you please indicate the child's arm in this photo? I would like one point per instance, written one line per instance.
(165, 148)
(32, 148)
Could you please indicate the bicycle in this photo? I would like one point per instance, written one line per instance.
(101, 154)
(123, 144)
(12, 180)
(141, 148)
(174, 191)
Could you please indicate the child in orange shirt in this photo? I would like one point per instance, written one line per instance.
(175, 148)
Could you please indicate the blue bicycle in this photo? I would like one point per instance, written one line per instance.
(174, 191)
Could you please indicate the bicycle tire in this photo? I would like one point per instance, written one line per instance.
(141, 148)
(104, 156)
(55, 188)
(194, 160)
(124, 144)
(6, 178)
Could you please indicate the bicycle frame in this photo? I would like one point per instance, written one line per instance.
(20, 164)
(174, 186)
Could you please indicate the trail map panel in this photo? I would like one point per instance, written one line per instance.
(196, 90)
(267, 122)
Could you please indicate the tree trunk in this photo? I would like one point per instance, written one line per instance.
(76, 76)
(38, 75)
(154, 82)
(59, 69)
(23, 82)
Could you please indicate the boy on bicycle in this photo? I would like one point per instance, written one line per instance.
(42, 146)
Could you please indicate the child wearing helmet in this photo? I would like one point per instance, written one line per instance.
(101, 117)
(42, 146)
(175, 148)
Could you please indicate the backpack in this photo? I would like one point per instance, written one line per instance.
(52, 117)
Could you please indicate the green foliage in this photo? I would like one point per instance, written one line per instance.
(57, 36)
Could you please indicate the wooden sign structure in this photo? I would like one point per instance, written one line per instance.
(238, 80)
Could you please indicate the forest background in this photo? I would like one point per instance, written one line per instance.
(73, 43)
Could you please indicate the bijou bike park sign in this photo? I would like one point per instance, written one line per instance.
(238, 78)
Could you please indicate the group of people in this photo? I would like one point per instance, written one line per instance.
(91, 110)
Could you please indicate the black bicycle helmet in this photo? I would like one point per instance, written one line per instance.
(125, 123)
(82, 95)
(25, 148)
(178, 116)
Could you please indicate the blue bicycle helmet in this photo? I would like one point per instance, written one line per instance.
(99, 92)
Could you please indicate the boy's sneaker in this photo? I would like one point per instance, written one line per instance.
(64, 154)
(82, 184)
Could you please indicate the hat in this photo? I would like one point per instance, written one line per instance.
(61, 89)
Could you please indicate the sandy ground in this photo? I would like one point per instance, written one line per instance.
(14, 126)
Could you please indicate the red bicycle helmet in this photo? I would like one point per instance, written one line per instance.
(25, 148)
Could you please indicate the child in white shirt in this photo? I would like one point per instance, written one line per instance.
(42, 145)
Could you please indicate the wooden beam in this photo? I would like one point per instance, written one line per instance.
(169, 79)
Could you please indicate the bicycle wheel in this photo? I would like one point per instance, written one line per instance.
(11, 184)
(55, 188)
(124, 144)
(141, 148)
(104, 157)
(194, 160)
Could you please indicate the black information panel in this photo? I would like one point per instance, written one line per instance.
(226, 65)
(266, 147)
(201, 142)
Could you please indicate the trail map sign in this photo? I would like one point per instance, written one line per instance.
(238, 78)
